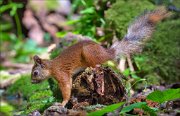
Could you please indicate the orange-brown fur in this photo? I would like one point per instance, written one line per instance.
(81, 55)
(87, 53)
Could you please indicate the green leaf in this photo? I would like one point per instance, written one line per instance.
(88, 11)
(61, 34)
(13, 11)
(126, 72)
(107, 109)
(134, 76)
(5, 26)
(12, 6)
(166, 95)
(132, 106)
(71, 22)
(151, 111)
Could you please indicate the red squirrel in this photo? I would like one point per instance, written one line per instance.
(88, 53)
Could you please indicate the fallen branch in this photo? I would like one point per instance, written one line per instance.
(122, 64)
(130, 63)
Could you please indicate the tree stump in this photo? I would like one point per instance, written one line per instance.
(99, 85)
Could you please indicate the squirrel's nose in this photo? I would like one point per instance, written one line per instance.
(35, 73)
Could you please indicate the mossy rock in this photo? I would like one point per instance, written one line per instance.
(38, 96)
(39, 101)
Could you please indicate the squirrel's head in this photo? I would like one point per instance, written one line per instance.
(41, 70)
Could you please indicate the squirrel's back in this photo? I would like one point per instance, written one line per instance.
(82, 54)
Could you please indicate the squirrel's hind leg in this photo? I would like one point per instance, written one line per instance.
(95, 54)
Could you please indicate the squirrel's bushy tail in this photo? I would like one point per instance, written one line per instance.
(139, 31)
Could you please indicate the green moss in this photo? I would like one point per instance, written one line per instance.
(24, 86)
(39, 101)
(161, 56)
(6, 109)
(39, 96)
(153, 79)
(123, 12)
(34, 106)
(160, 59)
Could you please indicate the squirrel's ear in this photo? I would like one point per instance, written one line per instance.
(37, 59)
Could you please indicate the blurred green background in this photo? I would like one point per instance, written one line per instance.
(29, 27)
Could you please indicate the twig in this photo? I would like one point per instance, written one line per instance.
(122, 64)
(130, 63)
